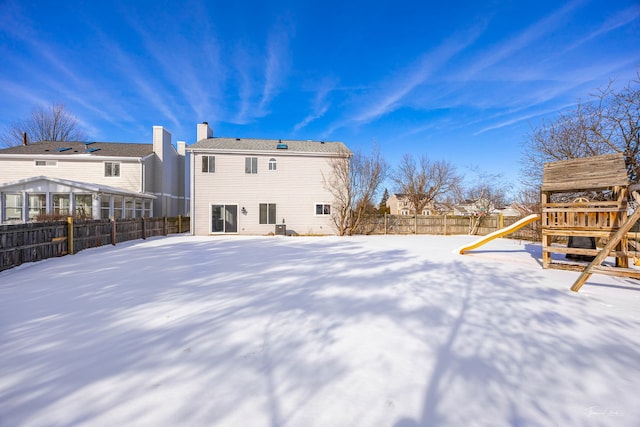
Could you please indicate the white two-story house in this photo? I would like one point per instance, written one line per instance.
(261, 186)
(93, 179)
(399, 204)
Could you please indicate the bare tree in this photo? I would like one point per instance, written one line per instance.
(424, 181)
(354, 181)
(52, 123)
(608, 123)
(488, 192)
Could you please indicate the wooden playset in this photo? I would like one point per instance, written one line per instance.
(605, 217)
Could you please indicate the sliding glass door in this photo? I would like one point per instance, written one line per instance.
(224, 218)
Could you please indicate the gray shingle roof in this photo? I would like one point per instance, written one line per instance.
(111, 149)
(255, 144)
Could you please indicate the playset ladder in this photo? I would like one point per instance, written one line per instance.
(596, 265)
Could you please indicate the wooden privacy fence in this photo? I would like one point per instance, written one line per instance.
(446, 225)
(34, 241)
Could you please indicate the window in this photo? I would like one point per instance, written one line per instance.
(61, 204)
(250, 165)
(272, 164)
(267, 213)
(83, 205)
(128, 207)
(147, 208)
(323, 209)
(46, 163)
(209, 164)
(37, 205)
(111, 169)
(13, 207)
(117, 206)
(105, 206)
(139, 208)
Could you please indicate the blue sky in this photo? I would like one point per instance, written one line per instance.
(461, 81)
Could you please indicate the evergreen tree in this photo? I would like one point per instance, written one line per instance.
(383, 208)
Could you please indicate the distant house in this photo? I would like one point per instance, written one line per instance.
(261, 186)
(399, 204)
(512, 210)
(471, 207)
(93, 179)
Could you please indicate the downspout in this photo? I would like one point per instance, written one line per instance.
(192, 192)
(142, 170)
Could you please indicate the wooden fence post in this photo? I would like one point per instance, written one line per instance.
(385, 223)
(113, 231)
(500, 221)
(166, 226)
(144, 229)
(70, 235)
(179, 224)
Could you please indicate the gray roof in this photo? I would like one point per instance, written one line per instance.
(111, 149)
(256, 144)
(99, 188)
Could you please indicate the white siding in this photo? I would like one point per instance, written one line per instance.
(295, 187)
(168, 176)
(85, 169)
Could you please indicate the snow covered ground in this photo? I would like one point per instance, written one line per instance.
(392, 331)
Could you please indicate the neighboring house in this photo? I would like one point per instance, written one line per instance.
(93, 179)
(512, 210)
(399, 204)
(472, 207)
(258, 186)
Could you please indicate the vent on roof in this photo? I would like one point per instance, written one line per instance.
(282, 146)
(89, 143)
(91, 150)
(237, 139)
(61, 149)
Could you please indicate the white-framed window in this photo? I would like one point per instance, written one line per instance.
(147, 208)
(250, 165)
(37, 205)
(111, 169)
(46, 163)
(267, 213)
(84, 206)
(209, 164)
(61, 204)
(128, 208)
(272, 164)
(323, 209)
(117, 206)
(13, 207)
(105, 206)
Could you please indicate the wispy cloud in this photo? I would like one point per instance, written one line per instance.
(140, 82)
(521, 41)
(276, 64)
(320, 104)
(620, 19)
(58, 76)
(261, 75)
(192, 72)
(406, 81)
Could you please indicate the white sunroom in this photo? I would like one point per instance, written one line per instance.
(27, 199)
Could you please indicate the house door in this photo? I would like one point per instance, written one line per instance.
(224, 218)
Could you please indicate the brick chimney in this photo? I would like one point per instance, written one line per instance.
(24, 138)
(204, 131)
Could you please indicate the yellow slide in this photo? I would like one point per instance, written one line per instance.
(500, 233)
